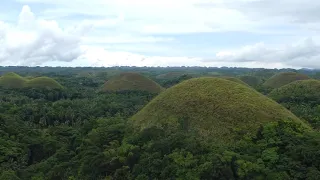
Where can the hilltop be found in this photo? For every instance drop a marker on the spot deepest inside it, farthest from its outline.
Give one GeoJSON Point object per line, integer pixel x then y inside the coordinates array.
{"type": "Point", "coordinates": [43, 82]}
{"type": "Point", "coordinates": [298, 91]}
{"type": "Point", "coordinates": [282, 79]}
{"type": "Point", "coordinates": [131, 81]}
{"type": "Point", "coordinates": [12, 80]}
{"type": "Point", "coordinates": [215, 108]}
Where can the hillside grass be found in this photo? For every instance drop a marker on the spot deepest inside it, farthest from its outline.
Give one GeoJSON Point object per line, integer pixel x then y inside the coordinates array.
{"type": "Point", "coordinates": [216, 108]}
{"type": "Point", "coordinates": [131, 81]}
{"type": "Point", "coordinates": [298, 91]}
{"type": "Point", "coordinates": [282, 79]}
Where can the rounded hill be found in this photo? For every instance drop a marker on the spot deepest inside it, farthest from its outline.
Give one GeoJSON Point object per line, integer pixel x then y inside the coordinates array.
{"type": "Point", "coordinates": [131, 81]}
{"type": "Point", "coordinates": [43, 82]}
{"type": "Point", "coordinates": [12, 80]}
{"type": "Point", "coordinates": [216, 108]}
{"type": "Point", "coordinates": [282, 79]}
{"type": "Point", "coordinates": [298, 91]}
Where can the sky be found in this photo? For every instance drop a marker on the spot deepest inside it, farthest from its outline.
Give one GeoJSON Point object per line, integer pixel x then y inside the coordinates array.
{"type": "Point", "coordinates": [234, 33]}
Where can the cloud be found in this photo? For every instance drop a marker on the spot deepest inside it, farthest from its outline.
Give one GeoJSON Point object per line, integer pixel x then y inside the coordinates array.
{"type": "Point", "coordinates": [33, 41]}
{"type": "Point", "coordinates": [305, 53]}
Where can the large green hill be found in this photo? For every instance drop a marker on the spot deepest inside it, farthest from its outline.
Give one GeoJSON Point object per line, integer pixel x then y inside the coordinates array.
{"type": "Point", "coordinates": [282, 79]}
{"type": "Point", "coordinates": [131, 81]}
{"type": "Point", "coordinates": [216, 108]}
{"type": "Point", "coordinates": [12, 80]}
{"type": "Point", "coordinates": [43, 82]}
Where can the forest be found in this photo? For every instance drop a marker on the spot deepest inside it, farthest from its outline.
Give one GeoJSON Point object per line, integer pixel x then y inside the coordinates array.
{"type": "Point", "coordinates": [182, 123]}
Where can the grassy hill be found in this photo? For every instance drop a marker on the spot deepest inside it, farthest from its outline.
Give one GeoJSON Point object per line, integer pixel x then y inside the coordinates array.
{"type": "Point", "coordinates": [131, 81]}
{"type": "Point", "coordinates": [298, 91]}
{"type": "Point", "coordinates": [216, 108]}
{"type": "Point", "coordinates": [12, 80]}
{"type": "Point", "coordinates": [43, 82]}
{"type": "Point", "coordinates": [282, 79]}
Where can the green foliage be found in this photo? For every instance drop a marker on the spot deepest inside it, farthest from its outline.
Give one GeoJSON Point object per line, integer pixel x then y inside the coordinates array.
{"type": "Point", "coordinates": [284, 78]}
{"type": "Point", "coordinates": [215, 107]}
{"type": "Point", "coordinates": [77, 133]}
{"type": "Point", "coordinates": [131, 81]}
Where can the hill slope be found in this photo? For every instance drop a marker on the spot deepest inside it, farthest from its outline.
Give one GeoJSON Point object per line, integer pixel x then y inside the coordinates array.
{"type": "Point", "coordinates": [282, 79]}
{"type": "Point", "coordinates": [298, 91]}
{"type": "Point", "coordinates": [12, 80]}
{"type": "Point", "coordinates": [214, 107]}
{"type": "Point", "coordinates": [131, 81]}
{"type": "Point", "coordinates": [43, 82]}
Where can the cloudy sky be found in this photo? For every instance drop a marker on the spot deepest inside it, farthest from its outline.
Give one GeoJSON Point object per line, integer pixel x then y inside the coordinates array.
{"type": "Point", "coordinates": [246, 33]}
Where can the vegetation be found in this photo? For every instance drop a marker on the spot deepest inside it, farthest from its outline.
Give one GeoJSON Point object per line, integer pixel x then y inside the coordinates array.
{"type": "Point", "coordinates": [132, 81]}
{"type": "Point", "coordinates": [302, 98]}
{"type": "Point", "coordinates": [284, 78]}
{"type": "Point", "coordinates": [216, 107]}
{"type": "Point", "coordinates": [79, 133]}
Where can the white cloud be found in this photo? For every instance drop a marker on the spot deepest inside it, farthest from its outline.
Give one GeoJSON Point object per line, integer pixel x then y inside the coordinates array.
{"type": "Point", "coordinates": [33, 41]}
{"type": "Point", "coordinates": [305, 53]}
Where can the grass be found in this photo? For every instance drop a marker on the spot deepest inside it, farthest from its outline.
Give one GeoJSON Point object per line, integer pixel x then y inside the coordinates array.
{"type": "Point", "coordinates": [216, 108]}
{"type": "Point", "coordinates": [282, 79]}
{"type": "Point", "coordinates": [12, 80]}
{"type": "Point", "coordinates": [297, 91]}
{"type": "Point", "coordinates": [131, 81]}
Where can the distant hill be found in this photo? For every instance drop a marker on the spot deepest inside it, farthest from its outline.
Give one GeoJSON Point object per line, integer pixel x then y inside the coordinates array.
{"type": "Point", "coordinates": [12, 80]}
{"type": "Point", "coordinates": [43, 82]}
{"type": "Point", "coordinates": [215, 108]}
{"type": "Point", "coordinates": [170, 75]}
{"type": "Point", "coordinates": [252, 81]}
{"type": "Point", "coordinates": [284, 78]}
{"type": "Point", "coordinates": [298, 91]}
{"type": "Point", "coordinates": [131, 81]}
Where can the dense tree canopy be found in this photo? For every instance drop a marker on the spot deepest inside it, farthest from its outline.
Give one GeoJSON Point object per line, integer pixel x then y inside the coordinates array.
{"type": "Point", "coordinates": [78, 132]}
